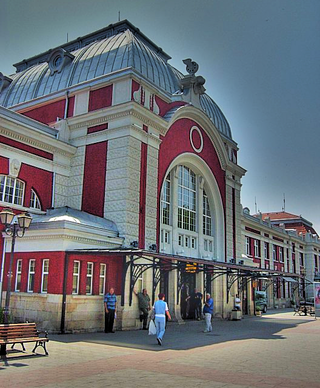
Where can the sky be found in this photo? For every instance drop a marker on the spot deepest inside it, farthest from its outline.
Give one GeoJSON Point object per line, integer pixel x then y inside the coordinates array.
{"type": "Point", "coordinates": [260, 59]}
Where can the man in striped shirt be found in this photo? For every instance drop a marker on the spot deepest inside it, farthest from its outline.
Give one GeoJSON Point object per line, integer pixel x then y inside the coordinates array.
{"type": "Point", "coordinates": [110, 304]}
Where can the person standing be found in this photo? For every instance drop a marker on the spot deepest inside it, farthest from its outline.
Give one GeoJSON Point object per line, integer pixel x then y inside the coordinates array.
{"type": "Point", "coordinates": [197, 309]}
{"type": "Point", "coordinates": [110, 305]}
{"type": "Point", "coordinates": [144, 306]}
{"type": "Point", "coordinates": [237, 303]}
{"type": "Point", "coordinates": [207, 312]}
{"type": "Point", "coordinates": [161, 311]}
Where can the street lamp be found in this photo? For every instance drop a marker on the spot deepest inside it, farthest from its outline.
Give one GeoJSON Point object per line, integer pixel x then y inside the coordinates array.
{"type": "Point", "coordinates": [13, 229]}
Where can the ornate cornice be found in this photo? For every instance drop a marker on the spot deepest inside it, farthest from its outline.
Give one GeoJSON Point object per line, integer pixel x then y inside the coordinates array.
{"type": "Point", "coordinates": [133, 109]}
{"type": "Point", "coordinates": [42, 146]}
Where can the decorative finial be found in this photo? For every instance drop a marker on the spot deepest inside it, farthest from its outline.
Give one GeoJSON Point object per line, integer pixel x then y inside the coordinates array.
{"type": "Point", "coordinates": [191, 66]}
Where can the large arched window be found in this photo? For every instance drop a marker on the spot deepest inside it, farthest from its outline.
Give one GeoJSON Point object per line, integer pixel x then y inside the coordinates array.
{"type": "Point", "coordinates": [11, 190]}
{"type": "Point", "coordinates": [187, 214]}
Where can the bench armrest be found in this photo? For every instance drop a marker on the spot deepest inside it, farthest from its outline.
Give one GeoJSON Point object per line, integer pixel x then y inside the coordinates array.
{"type": "Point", "coordinates": [42, 332]}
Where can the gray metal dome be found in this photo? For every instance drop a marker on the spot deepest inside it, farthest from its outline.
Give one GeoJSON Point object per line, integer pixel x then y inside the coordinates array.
{"type": "Point", "coordinates": [117, 47]}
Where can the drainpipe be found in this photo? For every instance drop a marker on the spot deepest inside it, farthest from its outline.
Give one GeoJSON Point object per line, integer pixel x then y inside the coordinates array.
{"type": "Point", "coordinates": [2, 268]}
{"type": "Point", "coordinates": [64, 294]}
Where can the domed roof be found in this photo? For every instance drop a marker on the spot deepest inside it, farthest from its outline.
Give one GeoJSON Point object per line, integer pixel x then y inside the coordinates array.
{"type": "Point", "coordinates": [116, 48]}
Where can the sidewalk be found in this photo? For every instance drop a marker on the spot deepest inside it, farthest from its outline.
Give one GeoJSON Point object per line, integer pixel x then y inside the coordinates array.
{"type": "Point", "coordinates": [275, 350]}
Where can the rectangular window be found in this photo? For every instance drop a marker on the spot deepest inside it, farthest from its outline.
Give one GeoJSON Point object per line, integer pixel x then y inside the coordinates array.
{"type": "Point", "coordinates": [186, 199]}
{"type": "Point", "coordinates": [205, 245]}
{"type": "Point", "coordinates": [301, 259]}
{"type": "Point", "coordinates": [274, 252]}
{"type": "Point", "coordinates": [266, 251]}
{"type": "Point", "coordinates": [45, 274]}
{"type": "Point", "coordinates": [102, 279]}
{"type": "Point", "coordinates": [193, 243]}
{"type": "Point", "coordinates": [210, 246]}
{"type": "Point", "coordinates": [281, 255]}
{"type": "Point", "coordinates": [206, 215]}
{"type": "Point", "coordinates": [165, 201]}
{"type": "Point", "coordinates": [247, 245]}
{"type": "Point", "coordinates": [31, 275]}
{"type": "Point", "coordinates": [18, 275]}
{"type": "Point", "coordinates": [256, 248]}
{"type": "Point", "coordinates": [180, 241]}
{"type": "Point", "coordinates": [89, 278]}
{"type": "Point", "coordinates": [75, 277]}
{"type": "Point", "coordinates": [186, 242]}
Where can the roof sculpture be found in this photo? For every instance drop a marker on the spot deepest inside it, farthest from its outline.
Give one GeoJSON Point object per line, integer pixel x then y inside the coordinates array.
{"type": "Point", "coordinates": [118, 47]}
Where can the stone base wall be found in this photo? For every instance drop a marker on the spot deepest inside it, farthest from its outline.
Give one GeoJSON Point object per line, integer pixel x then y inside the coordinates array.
{"type": "Point", "coordinates": [43, 309]}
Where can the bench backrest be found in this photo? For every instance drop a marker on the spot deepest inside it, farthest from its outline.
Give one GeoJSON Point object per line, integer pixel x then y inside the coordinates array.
{"type": "Point", "coordinates": [18, 330]}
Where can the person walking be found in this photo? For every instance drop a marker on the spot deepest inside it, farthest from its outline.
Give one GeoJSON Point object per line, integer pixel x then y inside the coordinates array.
{"type": "Point", "coordinates": [144, 306]}
{"type": "Point", "coordinates": [207, 312]}
{"type": "Point", "coordinates": [110, 305]}
{"type": "Point", "coordinates": [161, 311]}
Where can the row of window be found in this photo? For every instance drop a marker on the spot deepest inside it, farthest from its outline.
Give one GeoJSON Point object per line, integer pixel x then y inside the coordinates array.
{"type": "Point", "coordinates": [89, 278]}
{"type": "Point", "coordinates": [12, 192]}
{"type": "Point", "coordinates": [253, 248]}
{"type": "Point", "coordinates": [186, 241]}
{"type": "Point", "coordinates": [31, 275]}
{"type": "Point", "coordinates": [75, 277]}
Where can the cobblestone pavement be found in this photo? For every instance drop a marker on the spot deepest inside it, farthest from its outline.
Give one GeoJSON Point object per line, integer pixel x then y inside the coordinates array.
{"type": "Point", "coordinates": [275, 350]}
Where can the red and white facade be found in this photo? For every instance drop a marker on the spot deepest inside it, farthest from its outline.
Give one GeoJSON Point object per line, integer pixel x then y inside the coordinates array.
{"type": "Point", "coordinates": [108, 155]}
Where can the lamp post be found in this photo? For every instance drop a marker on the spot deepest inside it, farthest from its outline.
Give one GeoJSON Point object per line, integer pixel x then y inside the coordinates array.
{"type": "Point", "coordinates": [13, 229]}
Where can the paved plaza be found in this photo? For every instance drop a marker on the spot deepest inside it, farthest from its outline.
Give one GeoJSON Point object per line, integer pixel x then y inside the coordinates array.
{"type": "Point", "coordinates": [276, 350]}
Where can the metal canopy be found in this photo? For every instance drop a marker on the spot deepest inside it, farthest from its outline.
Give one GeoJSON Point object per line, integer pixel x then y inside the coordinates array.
{"type": "Point", "coordinates": [161, 264]}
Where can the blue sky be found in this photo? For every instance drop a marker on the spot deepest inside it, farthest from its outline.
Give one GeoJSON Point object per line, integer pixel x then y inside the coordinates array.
{"type": "Point", "coordinates": [260, 59]}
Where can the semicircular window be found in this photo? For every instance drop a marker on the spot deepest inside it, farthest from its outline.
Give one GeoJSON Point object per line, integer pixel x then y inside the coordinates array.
{"type": "Point", "coordinates": [34, 201]}
{"type": "Point", "coordinates": [11, 190]}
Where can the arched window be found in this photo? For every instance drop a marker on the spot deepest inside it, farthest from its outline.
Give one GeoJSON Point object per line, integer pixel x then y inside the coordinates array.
{"type": "Point", "coordinates": [187, 214]}
{"type": "Point", "coordinates": [11, 190]}
{"type": "Point", "coordinates": [34, 200]}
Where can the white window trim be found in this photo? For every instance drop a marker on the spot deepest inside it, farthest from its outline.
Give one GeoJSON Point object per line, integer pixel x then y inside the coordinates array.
{"type": "Point", "coordinates": [43, 273]}
{"type": "Point", "coordinates": [19, 261]}
{"type": "Point", "coordinates": [102, 265]}
{"type": "Point", "coordinates": [31, 273]}
{"type": "Point", "coordinates": [36, 200]}
{"type": "Point", "coordinates": [6, 177]}
{"type": "Point", "coordinates": [205, 179]}
{"type": "Point", "coordinates": [89, 276]}
{"type": "Point", "coordinates": [77, 274]}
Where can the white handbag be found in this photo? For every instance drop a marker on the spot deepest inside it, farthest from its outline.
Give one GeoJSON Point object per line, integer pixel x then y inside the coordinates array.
{"type": "Point", "coordinates": [152, 328]}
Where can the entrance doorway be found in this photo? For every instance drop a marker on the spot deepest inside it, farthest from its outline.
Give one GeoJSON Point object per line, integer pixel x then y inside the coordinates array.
{"type": "Point", "coordinates": [188, 284]}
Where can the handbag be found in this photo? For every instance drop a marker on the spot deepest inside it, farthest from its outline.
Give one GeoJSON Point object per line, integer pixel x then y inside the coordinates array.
{"type": "Point", "coordinates": [152, 328]}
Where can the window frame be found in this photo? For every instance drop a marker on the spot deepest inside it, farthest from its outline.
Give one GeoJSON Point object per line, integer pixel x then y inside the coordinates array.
{"type": "Point", "coordinates": [187, 192]}
{"type": "Point", "coordinates": [43, 274]}
{"type": "Point", "coordinates": [16, 192]}
{"type": "Point", "coordinates": [102, 278]}
{"type": "Point", "coordinates": [77, 275]}
{"type": "Point", "coordinates": [89, 276]}
{"type": "Point", "coordinates": [31, 273]}
{"type": "Point", "coordinates": [18, 273]}
{"type": "Point", "coordinates": [34, 201]}
{"type": "Point", "coordinates": [166, 201]}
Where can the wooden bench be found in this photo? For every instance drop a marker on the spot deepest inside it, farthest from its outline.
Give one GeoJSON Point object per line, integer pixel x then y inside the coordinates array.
{"type": "Point", "coordinates": [20, 333]}
{"type": "Point", "coordinates": [304, 310]}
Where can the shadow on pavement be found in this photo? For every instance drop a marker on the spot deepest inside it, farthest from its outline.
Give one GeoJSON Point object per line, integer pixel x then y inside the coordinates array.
{"type": "Point", "coordinates": [190, 335]}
